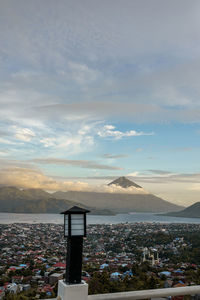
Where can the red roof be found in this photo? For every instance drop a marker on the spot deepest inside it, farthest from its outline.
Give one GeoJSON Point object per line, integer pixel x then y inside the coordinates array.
{"type": "Point", "coordinates": [60, 265]}
{"type": "Point", "coordinates": [86, 279]}
{"type": "Point", "coordinates": [6, 283]}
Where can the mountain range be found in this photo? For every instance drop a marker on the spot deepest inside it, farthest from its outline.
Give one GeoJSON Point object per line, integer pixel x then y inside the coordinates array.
{"type": "Point", "coordinates": [192, 211]}
{"type": "Point", "coordinates": [16, 200]}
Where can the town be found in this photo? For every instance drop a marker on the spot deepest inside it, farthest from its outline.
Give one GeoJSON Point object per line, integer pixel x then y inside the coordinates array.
{"type": "Point", "coordinates": [117, 257]}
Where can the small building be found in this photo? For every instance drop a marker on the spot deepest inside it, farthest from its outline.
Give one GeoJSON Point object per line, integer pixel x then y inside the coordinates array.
{"type": "Point", "coordinates": [26, 287]}
{"type": "Point", "coordinates": [103, 266]}
{"type": "Point", "coordinates": [165, 273]}
{"type": "Point", "coordinates": [115, 276]}
{"type": "Point", "coordinates": [53, 278]}
{"type": "Point", "coordinates": [12, 288]}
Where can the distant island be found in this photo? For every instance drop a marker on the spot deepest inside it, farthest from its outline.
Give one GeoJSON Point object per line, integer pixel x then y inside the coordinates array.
{"type": "Point", "coordinates": [14, 200]}
{"type": "Point", "coordinates": [192, 211]}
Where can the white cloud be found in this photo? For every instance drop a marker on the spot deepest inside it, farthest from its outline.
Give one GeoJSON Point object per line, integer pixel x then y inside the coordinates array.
{"type": "Point", "coordinates": [29, 178]}
{"type": "Point", "coordinates": [73, 142]}
{"type": "Point", "coordinates": [118, 189]}
{"type": "Point", "coordinates": [133, 174]}
{"type": "Point", "coordinates": [82, 74]}
{"type": "Point", "coordinates": [48, 142]}
{"type": "Point", "coordinates": [24, 134]}
{"type": "Point", "coordinates": [108, 131]}
{"type": "Point", "coordinates": [84, 130]}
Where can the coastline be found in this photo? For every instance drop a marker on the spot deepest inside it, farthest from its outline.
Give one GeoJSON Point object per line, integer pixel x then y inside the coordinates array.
{"type": "Point", "coordinates": [10, 218]}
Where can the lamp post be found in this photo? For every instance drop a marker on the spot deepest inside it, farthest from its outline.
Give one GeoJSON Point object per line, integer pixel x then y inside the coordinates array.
{"type": "Point", "coordinates": [74, 230]}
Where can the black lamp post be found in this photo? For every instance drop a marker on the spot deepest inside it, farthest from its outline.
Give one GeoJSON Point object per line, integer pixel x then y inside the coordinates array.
{"type": "Point", "coordinates": [74, 230]}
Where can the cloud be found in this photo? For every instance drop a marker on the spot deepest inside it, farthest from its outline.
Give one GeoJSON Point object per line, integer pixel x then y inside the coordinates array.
{"type": "Point", "coordinates": [131, 110]}
{"type": "Point", "coordinates": [177, 191]}
{"type": "Point", "coordinates": [162, 176]}
{"type": "Point", "coordinates": [29, 178]}
{"type": "Point", "coordinates": [48, 142]}
{"type": "Point", "coordinates": [144, 70]}
{"type": "Point", "coordinates": [109, 131]}
{"type": "Point", "coordinates": [162, 173]}
{"type": "Point", "coordinates": [118, 189]}
{"type": "Point", "coordinates": [82, 74]}
{"type": "Point", "coordinates": [23, 134]}
{"type": "Point", "coordinates": [9, 163]}
{"type": "Point", "coordinates": [72, 142]}
{"type": "Point", "coordinates": [4, 152]}
{"type": "Point", "coordinates": [133, 174]}
{"type": "Point", "coordinates": [6, 141]}
{"type": "Point", "coordinates": [195, 186]}
{"type": "Point", "coordinates": [3, 133]}
{"type": "Point", "coordinates": [77, 163]}
{"type": "Point", "coordinates": [78, 32]}
{"type": "Point", "coordinates": [114, 156]}
{"type": "Point", "coordinates": [59, 137]}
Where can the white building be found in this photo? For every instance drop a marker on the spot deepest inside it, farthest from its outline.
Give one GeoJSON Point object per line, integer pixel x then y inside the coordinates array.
{"type": "Point", "coordinates": [151, 256]}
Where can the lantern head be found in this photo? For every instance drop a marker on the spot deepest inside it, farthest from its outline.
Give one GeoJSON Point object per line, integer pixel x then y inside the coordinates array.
{"type": "Point", "coordinates": [75, 222]}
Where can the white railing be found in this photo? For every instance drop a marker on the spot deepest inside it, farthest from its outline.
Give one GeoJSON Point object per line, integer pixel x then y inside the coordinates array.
{"type": "Point", "coordinates": [147, 294]}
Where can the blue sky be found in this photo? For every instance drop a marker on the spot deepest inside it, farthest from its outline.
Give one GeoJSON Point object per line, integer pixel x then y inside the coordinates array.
{"type": "Point", "coordinates": [92, 90]}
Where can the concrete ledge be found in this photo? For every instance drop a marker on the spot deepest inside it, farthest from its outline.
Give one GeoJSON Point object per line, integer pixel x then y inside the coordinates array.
{"type": "Point", "coordinates": [72, 291]}
{"type": "Point", "coordinates": [146, 294]}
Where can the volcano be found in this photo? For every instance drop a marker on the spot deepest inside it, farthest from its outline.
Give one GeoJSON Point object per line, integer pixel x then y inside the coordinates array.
{"type": "Point", "coordinates": [125, 183]}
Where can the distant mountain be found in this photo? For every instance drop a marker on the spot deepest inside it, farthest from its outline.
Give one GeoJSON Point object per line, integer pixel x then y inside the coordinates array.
{"type": "Point", "coordinates": [39, 201]}
{"type": "Point", "coordinates": [192, 211]}
{"type": "Point", "coordinates": [120, 202]}
{"type": "Point", "coordinates": [124, 183]}
{"type": "Point", "coordinates": [14, 200]}
{"type": "Point", "coordinates": [10, 193]}
{"type": "Point", "coordinates": [30, 201]}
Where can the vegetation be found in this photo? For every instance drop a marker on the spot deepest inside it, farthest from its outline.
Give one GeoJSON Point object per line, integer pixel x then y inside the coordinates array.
{"type": "Point", "coordinates": [101, 282]}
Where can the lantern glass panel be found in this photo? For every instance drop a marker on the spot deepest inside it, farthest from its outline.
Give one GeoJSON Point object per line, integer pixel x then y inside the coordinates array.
{"type": "Point", "coordinates": [78, 232]}
{"type": "Point", "coordinates": [66, 225]}
{"type": "Point", "coordinates": [77, 224]}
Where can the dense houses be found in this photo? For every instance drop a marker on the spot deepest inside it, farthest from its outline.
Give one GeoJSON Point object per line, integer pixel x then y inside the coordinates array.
{"type": "Point", "coordinates": [32, 256]}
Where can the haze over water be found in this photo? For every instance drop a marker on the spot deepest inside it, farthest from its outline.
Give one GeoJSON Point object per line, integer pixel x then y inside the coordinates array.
{"type": "Point", "coordinates": [8, 218]}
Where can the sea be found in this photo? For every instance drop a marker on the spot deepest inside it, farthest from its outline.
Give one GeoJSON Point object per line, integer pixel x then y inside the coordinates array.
{"type": "Point", "coordinates": [10, 218]}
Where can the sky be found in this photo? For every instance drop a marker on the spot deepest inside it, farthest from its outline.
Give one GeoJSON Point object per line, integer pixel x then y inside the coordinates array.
{"type": "Point", "coordinates": [94, 90]}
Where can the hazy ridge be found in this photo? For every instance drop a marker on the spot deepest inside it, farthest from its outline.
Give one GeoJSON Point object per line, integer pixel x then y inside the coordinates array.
{"type": "Point", "coordinates": [192, 211]}
{"type": "Point", "coordinates": [14, 200]}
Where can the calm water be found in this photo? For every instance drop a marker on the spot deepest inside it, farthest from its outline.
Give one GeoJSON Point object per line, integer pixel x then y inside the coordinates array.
{"type": "Point", "coordinates": [7, 218]}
